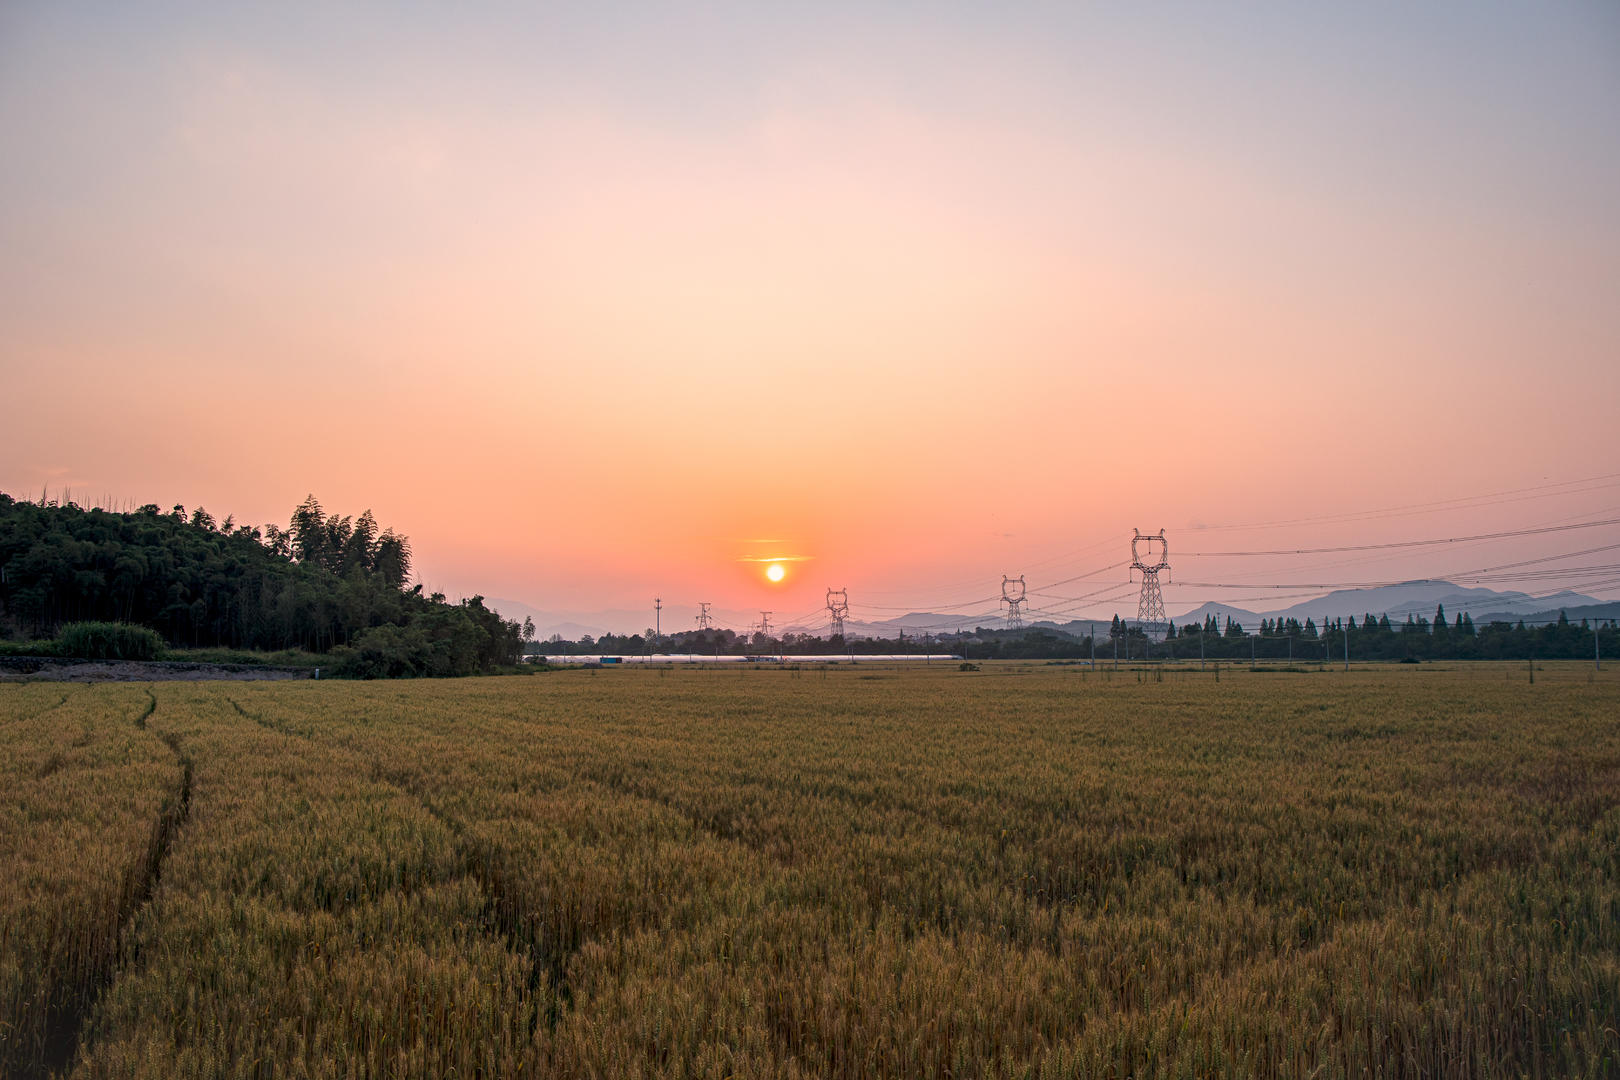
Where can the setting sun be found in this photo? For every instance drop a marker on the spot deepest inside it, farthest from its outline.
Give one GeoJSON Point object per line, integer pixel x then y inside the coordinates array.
{"type": "Point", "coordinates": [775, 572]}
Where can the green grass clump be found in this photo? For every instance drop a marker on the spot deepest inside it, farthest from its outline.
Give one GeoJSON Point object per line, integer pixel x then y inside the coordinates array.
{"type": "Point", "coordinates": [108, 641]}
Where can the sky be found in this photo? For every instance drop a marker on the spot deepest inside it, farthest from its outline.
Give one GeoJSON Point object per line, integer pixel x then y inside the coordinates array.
{"type": "Point", "coordinates": [604, 302]}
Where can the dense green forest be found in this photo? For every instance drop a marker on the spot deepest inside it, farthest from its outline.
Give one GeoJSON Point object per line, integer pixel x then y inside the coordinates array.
{"type": "Point", "coordinates": [327, 583]}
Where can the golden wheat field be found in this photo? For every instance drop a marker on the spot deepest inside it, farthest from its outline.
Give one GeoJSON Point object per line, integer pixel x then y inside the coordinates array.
{"type": "Point", "coordinates": [864, 871]}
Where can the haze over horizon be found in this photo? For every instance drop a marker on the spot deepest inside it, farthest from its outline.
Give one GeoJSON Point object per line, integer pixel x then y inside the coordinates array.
{"type": "Point", "coordinates": [605, 304]}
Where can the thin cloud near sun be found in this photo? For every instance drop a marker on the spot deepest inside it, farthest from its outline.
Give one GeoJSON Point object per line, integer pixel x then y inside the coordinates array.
{"type": "Point", "coordinates": [775, 565]}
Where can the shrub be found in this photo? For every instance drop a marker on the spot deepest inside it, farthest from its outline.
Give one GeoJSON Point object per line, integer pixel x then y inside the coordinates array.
{"type": "Point", "coordinates": [383, 652]}
{"type": "Point", "coordinates": [108, 641]}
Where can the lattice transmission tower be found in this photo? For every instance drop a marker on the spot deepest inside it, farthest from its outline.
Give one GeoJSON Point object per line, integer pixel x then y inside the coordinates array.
{"type": "Point", "coordinates": [703, 619]}
{"type": "Point", "coordinates": [765, 623]}
{"type": "Point", "coordinates": [837, 610]}
{"type": "Point", "coordinates": [1149, 555]}
{"type": "Point", "coordinates": [1012, 594]}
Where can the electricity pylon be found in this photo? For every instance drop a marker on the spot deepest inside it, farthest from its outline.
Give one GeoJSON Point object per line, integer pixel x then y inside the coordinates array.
{"type": "Point", "coordinates": [1149, 555]}
{"type": "Point", "coordinates": [837, 609]}
{"type": "Point", "coordinates": [703, 620]}
{"type": "Point", "coordinates": [1012, 594]}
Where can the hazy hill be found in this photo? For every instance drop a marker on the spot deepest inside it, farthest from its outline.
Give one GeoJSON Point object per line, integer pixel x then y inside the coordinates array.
{"type": "Point", "coordinates": [1420, 598]}
{"type": "Point", "coordinates": [1573, 613]}
{"type": "Point", "coordinates": [926, 622]}
{"type": "Point", "coordinates": [1222, 612]}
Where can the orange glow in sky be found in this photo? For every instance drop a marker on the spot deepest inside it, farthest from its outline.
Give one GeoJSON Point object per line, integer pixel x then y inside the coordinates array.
{"type": "Point", "coordinates": [598, 307]}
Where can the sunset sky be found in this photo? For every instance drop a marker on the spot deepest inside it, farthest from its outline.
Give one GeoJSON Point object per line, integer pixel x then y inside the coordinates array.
{"type": "Point", "coordinates": [601, 302]}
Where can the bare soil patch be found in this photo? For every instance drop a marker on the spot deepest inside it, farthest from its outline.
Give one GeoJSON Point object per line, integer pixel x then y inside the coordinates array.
{"type": "Point", "coordinates": [61, 669]}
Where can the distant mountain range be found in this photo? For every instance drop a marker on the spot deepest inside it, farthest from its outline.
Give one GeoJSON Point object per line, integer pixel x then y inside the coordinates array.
{"type": "Point", "coordinates": [1415, 598]}
{"type": "Point", "coordinates": [1605, 611]}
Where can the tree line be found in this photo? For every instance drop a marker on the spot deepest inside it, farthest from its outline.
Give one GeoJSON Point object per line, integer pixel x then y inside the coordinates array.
{"type": "Point", "coordinates": [327, 583]}
{"type": "Point", "coordinates": [720, 642]}
{"type": "Point", "coordinates": [1374, 637]}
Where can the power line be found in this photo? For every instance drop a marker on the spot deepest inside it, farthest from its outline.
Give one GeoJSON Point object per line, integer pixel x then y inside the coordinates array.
{"type": "Point", "coordinates": [1070, 610]}
{"type": "Point", "coordinates": [1599, 483]}
{"type": "Point", "coordinates": [1410, 543]}
{"type": "Point", "coordinates": [1454, 577]}
{"type": "Point", "coordinates": [1449, 579]}
{"type": "Point", "coordinates": [1110, 587]}
{"type": "Point", "coordinates": [1111, 539]}
{"type": "Point", "coordinates": [1379, 556]}
{"type": "Point", "coordinates": [936, 608]}
{"type": "Point", "coordinates": [1086, 575]}
{"type": "Point", "coordinates": [1543, 559]}
{"type": "Point", "coordinates": [957, 623]}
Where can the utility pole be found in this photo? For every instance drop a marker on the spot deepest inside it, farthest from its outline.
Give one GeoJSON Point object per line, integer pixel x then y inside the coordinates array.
{"type": "Point", "coordinates": [1091, 635]}
{"type": "Point", "coordinates": [658, 623]}
{"type": "Point", "coordinates": [1201, 633]}
{"type": "Point", "coordinates": [1597, 660]}
{"type": "Point", "coordinates": [1347, 647]}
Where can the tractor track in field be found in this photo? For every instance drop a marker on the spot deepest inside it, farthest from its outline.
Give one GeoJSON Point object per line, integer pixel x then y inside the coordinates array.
{"type": "Point", "coordinates": [268, 724]}
{"type": "Point", "coordinates": [37, 713]}
{"type": "Point", "coordinates": [64, 1027]}
{"type": "Point", "coordinates": [505, 913]}
{"type": "Point", "coordinates": [151, 707]}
